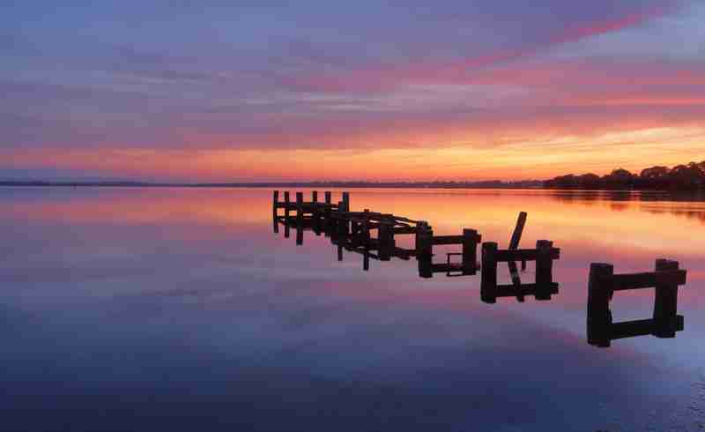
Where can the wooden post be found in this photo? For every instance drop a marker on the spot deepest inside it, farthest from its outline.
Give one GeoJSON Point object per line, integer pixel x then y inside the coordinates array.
{"type": "Point", "coordinates": [342, 225]}
{"type": "Point", "coordinates": [424, 250]}
{"type": "Point", "coordinates": [544, 270]}
{"type": "Point", "coordinates": [365, 234]}
{"type": "Point", "coordinates": [287, 203]}
{"type": "Point", "coordinates": [516, 235]}
{"type": "Point", "coordinates": [346, 201]}
{"type": "Point", "coordinates": [299, 208]}
{"type": "Point", "coordinates": [599, 316]}
{"type": "Point", "coordinates": [328, 197]}
{"type": "Point", "coordinates": [299, 234]}
{"type": "Point", "coordinates": [666, 303]}
{"type": "Point", "coordinates": [470, 238]}
{"type": "Point", "coordinates": [340, 252]}
{"type": "Point", "coordinates": [385, 238]}
{"type": "Point", "coordinates": [420, 226]}
{"type": "Point", "coordinates": [488, 285]}
{"type": "Point", "coordinates": [275, 211]}
{"type": "Point", "coordinates": [314, 196]}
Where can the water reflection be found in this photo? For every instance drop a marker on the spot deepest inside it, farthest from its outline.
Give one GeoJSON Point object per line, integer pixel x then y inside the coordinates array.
{"type": "Point", "coordinates": [185, 296]}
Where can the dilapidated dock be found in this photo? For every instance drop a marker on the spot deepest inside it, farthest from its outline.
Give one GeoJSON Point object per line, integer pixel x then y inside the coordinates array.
{"type": "Point", "coordinates": [374, 235]}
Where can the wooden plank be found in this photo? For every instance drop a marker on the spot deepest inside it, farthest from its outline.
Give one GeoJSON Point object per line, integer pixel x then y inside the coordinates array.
{"type": "Point", "coordinates": [447, 240]}
{"type": "Point", "coordinates": [505, 255]}
{"type": "Point", "coordinates": [518, 231]}
{"type": "Point", "coordinates": [524, 289]}
{"type": "Point", "coordinates": [635, 328]}
{"type": "Point", "coordinates": [620, 282]}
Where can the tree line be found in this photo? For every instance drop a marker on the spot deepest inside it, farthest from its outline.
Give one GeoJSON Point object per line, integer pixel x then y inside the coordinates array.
{"type": "Point", "coordinates": [680, 177]}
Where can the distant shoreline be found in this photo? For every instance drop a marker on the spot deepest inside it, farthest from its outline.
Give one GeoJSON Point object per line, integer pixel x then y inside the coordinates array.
{"type": "Point", "coordinates": [336, 185]}
{"type": "Point", "coordinates": [528, 185]}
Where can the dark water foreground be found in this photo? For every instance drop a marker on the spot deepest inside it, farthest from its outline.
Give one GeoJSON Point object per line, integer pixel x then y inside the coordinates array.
{"type": "Point", "coordinates": [170, 309]}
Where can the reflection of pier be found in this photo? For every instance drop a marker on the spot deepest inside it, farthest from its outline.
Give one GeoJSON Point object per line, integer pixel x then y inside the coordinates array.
{"type": "Point", "coordinates": [603, 283]}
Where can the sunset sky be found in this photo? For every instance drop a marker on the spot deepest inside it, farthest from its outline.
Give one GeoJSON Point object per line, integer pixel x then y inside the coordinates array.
{"type": "Point", "coordinates": [220, 90]}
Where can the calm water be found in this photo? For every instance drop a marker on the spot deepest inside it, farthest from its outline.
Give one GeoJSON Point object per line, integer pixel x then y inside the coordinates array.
{"type": "Point", "coordinates": [179, 309]}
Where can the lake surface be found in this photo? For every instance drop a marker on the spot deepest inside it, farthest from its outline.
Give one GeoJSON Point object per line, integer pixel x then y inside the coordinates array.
{"type": "Point", "coordinates": [180, 309]}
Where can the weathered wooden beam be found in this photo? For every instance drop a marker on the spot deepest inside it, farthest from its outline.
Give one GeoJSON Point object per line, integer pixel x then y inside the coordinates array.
{"type": "Point", "coordinates": [599, 316]}
{"type": "Point", "coordinates": [470, 241]}
{"type": "Point", "coordinates": [275, 211]}
{"type": "Point", "coordinates": [488, 284]}
{"type": "Point", "coordinates": [518, 231]}
{"type": "Point", "coordinates": [524, 289]}
{"type": "Point", "coordinates": [666, 299]}
{"type": "Point", "coordinates": [346, 201]}
{"type": "Point", "coordinates": [424, 250]}
{"type": "Point", "coordinates": [447, 240]}
{"type": "Point", "coordinates": [544, 268]}
{"type": "Point", "coordinates": [620, 282]}
{"type": "Point", "coordinates": [505, 255]}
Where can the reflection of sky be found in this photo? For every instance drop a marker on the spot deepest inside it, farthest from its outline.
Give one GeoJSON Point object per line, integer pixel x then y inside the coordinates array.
{"type": "Point", "coordinates": [138, 300]}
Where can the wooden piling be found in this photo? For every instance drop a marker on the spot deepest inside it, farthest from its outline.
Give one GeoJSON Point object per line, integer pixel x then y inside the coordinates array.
{"type": "Point", "coordinates": [424, 250]}
{"type": "Point", "coordinates": [275, 211]}
{"type": "Point", "coordinates": [666, 302]}
{"type": "Point", "coordinates": [516, 235]}
{"type": "Point", "coordinates": [299, 208]}
{"type": "Point", "coordinates": [299, 234]}
{"type": "Point", "coordinates": [385, 237]}
{"type": "Point", "coordinates": [488, 284]}
{"type": "Point", "coordinates": [314, 196]}
{"type": "Point", "coordinates": [328, 197]}
{"type": "Point", "coordinates": [599, 317]}
{"type": "Point", "coordinates": [469, 258]}
{"type": "Point", "coordinates": [346, 201]}
{"type": "Point", "coordinates": [287, 206]}
{"type": "Point", "coordinates": [544, 269]}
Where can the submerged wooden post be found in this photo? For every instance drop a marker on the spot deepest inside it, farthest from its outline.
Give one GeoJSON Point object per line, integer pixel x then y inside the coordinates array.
{"type": "Point", "coordinates": [666, 303]}
{"type": "Point", "coordinates": [420, 226]}
{"type": "Point", "coordinates": [544, 270]}
{"type": "Point", "coordinates": [424, 250]}
{"type": "Point", "coordinates": [488, 285]}
{"type": "Point", "coordinates": [299, 234]}
{"type": "Point", "coordinates": [470, 240]}
{"type": "Point", "coordinates": [342, 225]}
{"type": "Point", "coordinates": [314, 196]}
{"type": "Point", "coordinates": [275, 211]}
{"type": "Point", "coordinates": [299, 208]}
{"type": "Point", "coordinates": [346, 201]}
{"type": "Point", "coordinates": [287, 205]}
{"type": "Point", "coordinates": [599, 317]}
{"type": "Point", "coordinates": [328, 197]}
{"type": "Point", "coordinates": [385, 238]}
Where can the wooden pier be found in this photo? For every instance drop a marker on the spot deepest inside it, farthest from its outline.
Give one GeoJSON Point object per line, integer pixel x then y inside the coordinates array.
{"type": "Point", "coordinates": [603, 283]}
{"type": "Point", "coordinates": [374, 236]}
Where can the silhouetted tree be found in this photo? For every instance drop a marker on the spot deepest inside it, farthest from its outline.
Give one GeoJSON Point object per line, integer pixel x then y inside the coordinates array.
{"type": "Point", "coordinates": [688, 177]}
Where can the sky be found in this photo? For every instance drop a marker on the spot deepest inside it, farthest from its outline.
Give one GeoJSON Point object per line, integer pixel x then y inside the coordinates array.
{"type": "Point", "coordinates": [222, 90]}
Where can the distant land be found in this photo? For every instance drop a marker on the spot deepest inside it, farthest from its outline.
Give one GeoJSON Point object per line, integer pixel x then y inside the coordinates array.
{"type": "Point", "coordinates": [680, 178]}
